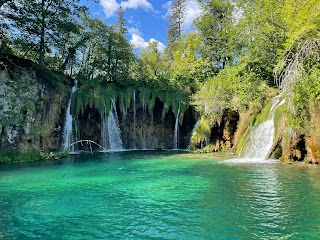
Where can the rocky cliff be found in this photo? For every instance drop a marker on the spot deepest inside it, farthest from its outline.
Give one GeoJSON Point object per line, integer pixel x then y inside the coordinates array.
{"type": "Point", "coordinates": [31, 111]}
{"type": "Point", "coordinates": [139, 128]}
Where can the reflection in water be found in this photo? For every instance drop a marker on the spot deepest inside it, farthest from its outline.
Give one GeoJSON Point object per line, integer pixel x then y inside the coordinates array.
{"type": "Point", "coordinates": [265, 203]}
{"type": "Point", "coordinates": [158, 195]}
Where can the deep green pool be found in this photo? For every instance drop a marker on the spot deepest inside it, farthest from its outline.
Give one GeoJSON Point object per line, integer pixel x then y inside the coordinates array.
{"type": "Point", "coordinates": [158, 195]}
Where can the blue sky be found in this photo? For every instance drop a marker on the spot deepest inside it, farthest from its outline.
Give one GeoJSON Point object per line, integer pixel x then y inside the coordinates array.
{"type": "Point", "coordinates": [146, 19]}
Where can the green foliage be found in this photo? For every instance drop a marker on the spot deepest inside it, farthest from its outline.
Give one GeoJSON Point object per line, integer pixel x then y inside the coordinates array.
{"type": "Point", "coordinates": [52, 78]}
{"type": "Point", "coordinates": [301, 21]}
{"type": "Point", "coordinates": [264, 114]}
{"type": "Point", "coordinates": [279, 115]}
{"type": "Point", "coordinates": [188, 67]}
{"type": "Point", "coordinates": [14, 156]}
{"type": "Point", "coordinates": [201, 133]}
{"type": "Point", "coordinates": [41, 128]}
{"type": "Point", "coordinates": [235, 87]}
{"type": "Point", "coordinates": [153, 61]}
{"type": "Point", "coordinates": [38, 26]}
{"type": "Point", "coordinates": [101, 97]}
{"type": "Point", "coordinates": [53, 155]}
{"type": "Point", "coordinates": [176, 19]}
{"type": "Point", "coordinates": [216, 26]}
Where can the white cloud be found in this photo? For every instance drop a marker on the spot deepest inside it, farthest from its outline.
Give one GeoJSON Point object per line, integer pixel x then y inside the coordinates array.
{"type": "Point", "coordinates": [133, 30]}
{"type": "Point", "coordinates": [139, 42]}
{"type": "Point", "coordinates": [166, 6]}
{"type": "Point", "coordinates": [144, 4]}
{"type": "Point", "coordinates": [110, 7]}
{"type": "Point", "coordinates": [161, 46]}
{"type": "Point", "coordinates": [193, 10]}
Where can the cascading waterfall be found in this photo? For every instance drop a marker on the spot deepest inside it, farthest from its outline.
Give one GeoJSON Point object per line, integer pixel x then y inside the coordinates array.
{"type": "Point", "coordinates": [67, 130]}
{"type": "Point", "coordinates": [134, 142]}
{"type": "Point", "coordinates": [193, 130]}
{"type": "Point", "coordinates": [114, 129]}
{"type": "Point", "coordinates": [110, 131]}
{"type": "Point", "coordinates": [195, 126]}
{"type": "Point", "coordinates": [176, 130]}
{"type": "Point", "coordinates": [261, 137]}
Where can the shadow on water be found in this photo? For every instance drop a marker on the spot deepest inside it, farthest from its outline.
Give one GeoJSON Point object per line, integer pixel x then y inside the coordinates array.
{"type": "Point", "coordinates": [83, 156]}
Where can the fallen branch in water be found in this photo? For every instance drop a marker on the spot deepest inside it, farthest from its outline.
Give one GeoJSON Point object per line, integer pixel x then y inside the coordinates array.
{"type": "Point", "coordinates": [89, 143]}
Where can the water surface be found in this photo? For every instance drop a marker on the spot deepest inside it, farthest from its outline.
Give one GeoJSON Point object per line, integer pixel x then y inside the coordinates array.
{"type": "Point", "coordinates": [158, 195]}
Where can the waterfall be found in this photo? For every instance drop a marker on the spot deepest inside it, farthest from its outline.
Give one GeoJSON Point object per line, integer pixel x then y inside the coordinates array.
{"type": "Point", "coordinates": [193, 130]}
{"type": "Point", "coordinates": [110, 130]}
{"type": "Point", "coordinates": [67, 130]}
{"type": "Point", "coordinates": [261, 136]}
{"type": "Point", "coordinates": [134, 142]}
{"type": "Point", "coordinates": [176, 130]}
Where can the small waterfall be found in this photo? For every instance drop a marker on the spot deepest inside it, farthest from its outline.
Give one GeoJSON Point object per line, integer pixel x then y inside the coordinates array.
{"type": "Point", "coordinates": [67, 130]}
{"type": "Point", "coordinates": [110, 130]}
{"type": "Point", "coordinates": [114, 129]}
{"type": "Point", "coordinates": [193, 130]}
{"type": "Point", "coordinates": [261, 137]}
{"type": "Point", "coordinates": [176, 130]}
{"type": "Point", "coordinates": [134, 143]}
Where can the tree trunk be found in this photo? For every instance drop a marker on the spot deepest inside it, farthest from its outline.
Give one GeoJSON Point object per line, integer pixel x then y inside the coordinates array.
{"type": "Point", "coordinates": [42, 33]}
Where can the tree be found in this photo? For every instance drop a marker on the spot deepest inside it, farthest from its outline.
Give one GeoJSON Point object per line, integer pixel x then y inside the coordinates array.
{"type": "Point", "coordinates": [152, 59]}
{"type": "Point", "coordinates": [176, 18]}
{"type": "Point", "coordinates": [106, 55]}
{"type": "Point", "coordinates": [189, 67]}
{"type": "Point", "coordinates": [121, 21]}
{"type": "Point", "coordinates": [40, 25]}
{"type": "Point", "coordinates": [215, 24]}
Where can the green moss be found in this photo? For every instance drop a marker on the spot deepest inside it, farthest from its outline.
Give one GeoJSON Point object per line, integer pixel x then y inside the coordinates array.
{"type": "Point", "coordinates": [264, 114]}
{"type": "Point", "coordinates": [253, 120]}
{"type": "Point", "coordinates": [101, 96]}
{"type": "Point", "coordinates": [278, 115]}
{"type": "Point", "coordinates": [55, 79]}
{"type": "Point", "coordinates": [243, 143]}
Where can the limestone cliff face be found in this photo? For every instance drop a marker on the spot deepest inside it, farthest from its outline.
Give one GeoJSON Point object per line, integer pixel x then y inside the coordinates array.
{"type": "Point", "coordinates": [139, 129]}
{"type": "Point", "coordinates": [145, 131]}
{"type": "Point", "coordinates": [222, 134]}
{"type": "Point", "coordinates": [31, 113]}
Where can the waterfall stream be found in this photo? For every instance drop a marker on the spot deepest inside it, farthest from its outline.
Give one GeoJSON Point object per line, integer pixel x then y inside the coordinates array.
{"type": "Point", "coordinates": [176, 130]}
{"type": "Point", "coordinates": [261, 136]}
{"type": "Point", "coordinates": [134, 137]}
{"type": "Point", "coordinates": [68, 137]}
{"type": "Point", "coordinates": [110, 130]}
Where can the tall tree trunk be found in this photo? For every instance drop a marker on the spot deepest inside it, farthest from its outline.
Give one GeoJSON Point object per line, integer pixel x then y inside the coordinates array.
{"type": "Point", "coordinates": [42, 34]}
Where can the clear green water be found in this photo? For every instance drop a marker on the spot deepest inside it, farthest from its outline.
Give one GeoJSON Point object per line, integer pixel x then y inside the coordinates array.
{"type": "Point", "coordinates": [158, 195]}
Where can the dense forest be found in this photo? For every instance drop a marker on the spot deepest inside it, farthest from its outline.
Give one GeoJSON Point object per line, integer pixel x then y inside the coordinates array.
{"type": "Point", "coordinates": [241, 54]}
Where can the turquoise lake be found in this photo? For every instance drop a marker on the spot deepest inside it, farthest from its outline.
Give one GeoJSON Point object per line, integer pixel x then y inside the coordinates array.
{"type": "Point", "coordinates": [158, 195]}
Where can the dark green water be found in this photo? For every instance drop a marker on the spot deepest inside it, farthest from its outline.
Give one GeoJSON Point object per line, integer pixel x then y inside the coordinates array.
{"type": "Point", "coordinates": [158, 195]}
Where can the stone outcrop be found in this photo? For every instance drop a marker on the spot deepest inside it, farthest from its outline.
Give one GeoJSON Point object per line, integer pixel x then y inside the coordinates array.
{"type": "Point", "coordinates": [222, 135]}
{"type": "Point", "coordinates": [31, 112]}
{"type": "Point", "coordinates": [313, 151]}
